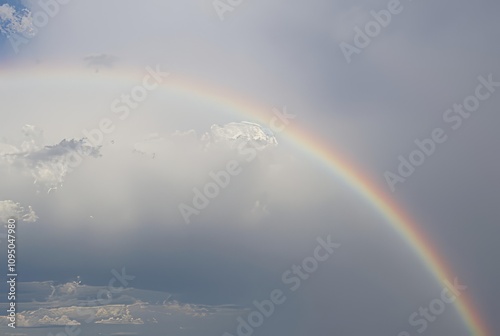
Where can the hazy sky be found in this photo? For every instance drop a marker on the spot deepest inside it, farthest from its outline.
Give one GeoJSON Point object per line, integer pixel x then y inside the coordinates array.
{"type": "Point", "coordinates": [372, 96]}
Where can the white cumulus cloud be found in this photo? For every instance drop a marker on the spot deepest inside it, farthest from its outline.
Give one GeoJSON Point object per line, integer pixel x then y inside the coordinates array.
{"type": "Point", "coordinates": [16, 22]}
{"type": "Point", "coordinates": [49, 165]}
{"type": "Point", "coordinates": [9, 209]}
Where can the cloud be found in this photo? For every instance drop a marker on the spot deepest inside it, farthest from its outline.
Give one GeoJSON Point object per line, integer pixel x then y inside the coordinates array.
{"type": "Point", "coordinates": [268, 53]}
{"type": "Point", "coordinates": [48, 165]}
{"type": "Point", "coordinates": [151, 144]}
{"type": "Point", "coordinates": [116, 315]}
{"type": "Point", "coordinates": [16, 22]}
{"type": "Point", "coordinates": [40, 318]}
{"type": "Point", "coordinates": [230, 136]}
{"type": "Point", "coordinates": [69, 304]}
{"type": "Point", "coordinates": [97, 61]}
{"type": "Point", "coordinates": [46, 320]}
{"type": "Point", "coordinates": [9, 209]}
{"type": "Point", "coordinates": [236, 132]}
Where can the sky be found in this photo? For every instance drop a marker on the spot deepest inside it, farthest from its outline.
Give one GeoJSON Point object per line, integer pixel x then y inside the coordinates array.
{"type": "Point", "coordinates": [149, 154]}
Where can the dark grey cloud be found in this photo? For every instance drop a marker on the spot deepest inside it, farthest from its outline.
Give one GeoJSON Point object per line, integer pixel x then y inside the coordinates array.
{"type": "Point", "coordinates": [98, 61]}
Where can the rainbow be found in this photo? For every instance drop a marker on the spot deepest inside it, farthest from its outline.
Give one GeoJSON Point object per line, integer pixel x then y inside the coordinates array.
{"type": "Point", "coordinates": [311, 144]}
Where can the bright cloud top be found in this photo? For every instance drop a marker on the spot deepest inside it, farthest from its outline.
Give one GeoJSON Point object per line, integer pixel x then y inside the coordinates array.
{"type": "Point", "coordinates": [16, 22]}
{"type": "Point", "coordinates": [9, 209]}
{"type": "Point", "coordinates": [48, 165]}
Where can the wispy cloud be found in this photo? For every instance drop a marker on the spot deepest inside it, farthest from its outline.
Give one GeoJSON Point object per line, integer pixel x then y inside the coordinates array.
{"type": "Point", "coordinates": [98, 61]}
